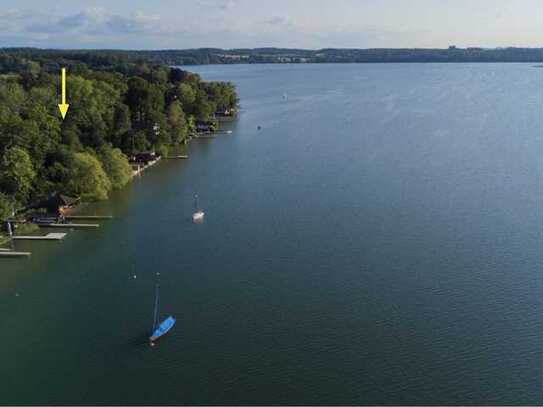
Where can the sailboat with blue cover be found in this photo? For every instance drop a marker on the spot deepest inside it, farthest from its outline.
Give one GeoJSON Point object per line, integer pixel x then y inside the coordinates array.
{"type": "Point", "coordinates": [160, 329]}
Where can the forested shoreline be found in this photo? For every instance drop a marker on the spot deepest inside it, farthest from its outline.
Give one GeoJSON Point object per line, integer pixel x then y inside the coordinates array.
{"type": "Point", "coordinates": [118, 108]}
{"type": "Point", "coordinates": [205, 56]}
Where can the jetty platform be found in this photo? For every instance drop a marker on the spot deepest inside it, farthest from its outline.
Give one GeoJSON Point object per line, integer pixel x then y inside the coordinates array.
{"type": "Point", "coordinates": [10, 253]}
{"type": "Point", "coordinates": [177, 157]}
{"type": "Point", "coordinates": [89, 217]}
{"type": "Point", "coordinates": [142, 168]}
{"type": "Point", "coordinates": [69, 225]}
{"type": "Point", "coordinates": [49, 236]}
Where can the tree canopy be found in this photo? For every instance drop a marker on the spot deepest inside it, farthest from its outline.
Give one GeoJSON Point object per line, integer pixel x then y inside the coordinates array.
{"type": "Point", "coordinates": [118, 107]}
{"type": "Point", "coordinates": [116, 166]}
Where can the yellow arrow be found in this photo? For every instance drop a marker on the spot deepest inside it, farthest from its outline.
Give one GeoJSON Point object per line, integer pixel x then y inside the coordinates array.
{"type": "Point", "coordinates": [63, 107]}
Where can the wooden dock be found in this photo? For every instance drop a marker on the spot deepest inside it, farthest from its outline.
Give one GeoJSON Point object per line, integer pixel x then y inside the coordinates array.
{"type": "Point", "coordinates": [14, 254]}
{"type": "Point", "coordinates": [142, 168]}
{"type": "Point", "coordinates": [177, 157]}
{"type": "Point", "coordinates": [69, 225]}
{"type": "Point", "coordinates": [89, 217]}
{"type": "Point", "coordinates": [50, 236]}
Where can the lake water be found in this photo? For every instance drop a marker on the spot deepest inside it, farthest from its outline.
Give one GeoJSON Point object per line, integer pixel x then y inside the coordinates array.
{"type": "Point", "coordinates": [378, 241]}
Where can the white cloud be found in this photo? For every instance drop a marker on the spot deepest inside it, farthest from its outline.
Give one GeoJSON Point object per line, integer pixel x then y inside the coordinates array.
{"type": "Point", "coordinates": [218, 4]}
{"type": "Point", "coordinates": [220, 26]}
{"type": "Point", "coordinates": [95, 21]}
{"type": "Point", "coordinates": [92, 25]}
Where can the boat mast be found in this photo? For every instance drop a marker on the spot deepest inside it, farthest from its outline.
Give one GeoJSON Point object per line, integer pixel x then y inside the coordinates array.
{"type": "Point", "coordinates": [196, 203]}
{"type": "Point", "coordinates": [156, 307]}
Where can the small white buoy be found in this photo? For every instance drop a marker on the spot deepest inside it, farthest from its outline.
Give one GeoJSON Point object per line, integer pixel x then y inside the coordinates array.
{"type": "Point", "coordinates": [135, 276]}
{"type": "Point", "coordinates": [16, 294]}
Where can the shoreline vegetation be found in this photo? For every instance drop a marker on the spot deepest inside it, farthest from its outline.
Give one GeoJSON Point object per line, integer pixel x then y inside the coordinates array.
{"type": "Point", "coordinates": [206, 56]}
{"type": "Point", "coordinates": [124, 116]}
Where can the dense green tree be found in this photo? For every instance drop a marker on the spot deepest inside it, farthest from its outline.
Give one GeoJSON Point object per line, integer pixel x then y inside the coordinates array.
{"type": "Point", "coordinates": [177, 75]}
{"type": "Point", "coordinates": [42, 130]}
{"type": "Point", "coordinates": [12, 96]}
{"type": "Point", "coordinates": [45, 97]}
{"type": "Point", "coordinates": [162, 149]}
{"type": "Point", "coordinates": [91, 109]}
{"type": "Point", "coordinates": [116, 166]}
{"type": "Point", "coordinates": [16, 173]}
{"type": "Point", "coordinates": [6, 206]}
{"type": "Point", "coordinates": [222, 94]}
{"type": "Point", "coordinates": [203, 108]}
{"type": "Point", "coordinates": [177, 122]}
{"type": "Point", "coordinates": [137, 142]}
{"type": "Point", "coordinates": [122, 125]}
{"type": "Point", "coordinates": [160, 74]}
{"type": "Point", "coordinates": [86, 177]}
{"type": "Point", "coordinates": [10, 124]}
{"type": "Point", "coordinates": [138, 100]}
{"type": "Point", "coordinates": [55, 173]}
{"type": "Point", "coordinates": [191, 124]}
{"type": "Point", "coordinates": [186, 95]}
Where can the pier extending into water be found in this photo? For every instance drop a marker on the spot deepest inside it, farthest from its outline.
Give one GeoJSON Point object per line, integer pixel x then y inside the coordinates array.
{"type": "Point", "coordinates": [70, 225]}
{"type": "Point", "coordinates": [49, 236]}
{"type": "Point", "coordinates": [177, 157]}
{"type": "Point", "coordinates": [142, 167]}
{"type": "Point", "coordinates": [11, 253]}
{"type": "Point", "coordinates": [88, 217]}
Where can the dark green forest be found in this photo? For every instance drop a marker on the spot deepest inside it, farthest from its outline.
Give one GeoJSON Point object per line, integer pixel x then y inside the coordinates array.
{"type": "Point", "coordinates": [118, 107]}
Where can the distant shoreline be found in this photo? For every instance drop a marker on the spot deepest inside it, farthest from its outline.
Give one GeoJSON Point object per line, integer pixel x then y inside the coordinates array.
{"type": "Point", "coordinates": [217, 56]}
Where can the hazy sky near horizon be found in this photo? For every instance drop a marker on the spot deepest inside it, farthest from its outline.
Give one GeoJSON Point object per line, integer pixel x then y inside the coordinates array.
{"type": "Point", "coordinates": [155, 24]}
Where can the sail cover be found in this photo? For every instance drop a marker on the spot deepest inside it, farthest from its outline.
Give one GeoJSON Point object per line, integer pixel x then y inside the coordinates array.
{"type": "Point", "coordinates": [163, 328]}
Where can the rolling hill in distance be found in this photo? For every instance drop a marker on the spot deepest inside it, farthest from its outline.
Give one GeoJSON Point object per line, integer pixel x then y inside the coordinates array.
{"type": "Point", "coordinates": [205, 56]}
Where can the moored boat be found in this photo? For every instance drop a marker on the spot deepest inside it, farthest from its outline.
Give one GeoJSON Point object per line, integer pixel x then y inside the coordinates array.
{"type": "Point", "coordinates": [162, 329]}
{"type": "Point", "coordinates": [159, 330]}
{"type": "Point", "coordinates": [198, 215]}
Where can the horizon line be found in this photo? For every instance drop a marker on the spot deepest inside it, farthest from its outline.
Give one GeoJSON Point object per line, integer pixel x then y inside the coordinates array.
{"type": "Point", "coordinates": [451, 47]}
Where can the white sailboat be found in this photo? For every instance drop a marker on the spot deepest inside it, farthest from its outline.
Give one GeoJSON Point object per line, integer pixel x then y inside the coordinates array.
{"type": "Point", "coordinates": [198, 215]}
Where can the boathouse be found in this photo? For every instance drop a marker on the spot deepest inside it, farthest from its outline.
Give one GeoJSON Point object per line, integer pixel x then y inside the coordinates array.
{"type": "Point", "coordinates": [225, 112]}
{"type": "Point", "coordinates": [144, 157]}
{"type": "Point", "coordinates": [205, 126]}
{"type": "Point", "coordinates": [56, 204]}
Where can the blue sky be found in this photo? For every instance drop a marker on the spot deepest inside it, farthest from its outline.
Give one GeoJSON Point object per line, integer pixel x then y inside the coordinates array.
{"type": "Point", "coordinates": [159, 24]}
